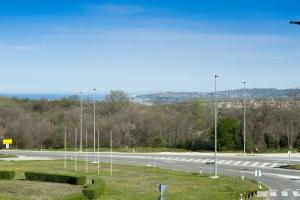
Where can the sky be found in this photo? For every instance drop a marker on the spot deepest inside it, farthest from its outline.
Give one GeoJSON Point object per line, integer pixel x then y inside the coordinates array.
{"type": "Point", "coordinates": [144, 46]}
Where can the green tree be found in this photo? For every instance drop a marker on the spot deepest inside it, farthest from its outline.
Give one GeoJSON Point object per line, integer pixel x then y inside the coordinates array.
{"type": "Point", "coordinates": [297, 141]}
{"type": "Point", "coordinates": [270, 141]}
{"type": "Point", "coordinates": [284, 141]}
{"type": "Point", "coordinates": [228, 132]}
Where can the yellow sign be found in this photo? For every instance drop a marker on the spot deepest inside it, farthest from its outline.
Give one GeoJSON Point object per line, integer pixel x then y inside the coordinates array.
{"type": "Point", "coordinates": [7, 141]}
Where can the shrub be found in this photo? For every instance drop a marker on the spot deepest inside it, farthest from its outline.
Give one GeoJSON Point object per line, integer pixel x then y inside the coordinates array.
{"type": "Point", "coordinates": [7, 175]}
{"type": "Point", "coordinates": [94, 190]}
{"type": "Point", "coordinates": [76, 196]}
{"type": "Point", "coordinates": [55, 178]}
{"type": "Point", "coordinates": [284, 141]}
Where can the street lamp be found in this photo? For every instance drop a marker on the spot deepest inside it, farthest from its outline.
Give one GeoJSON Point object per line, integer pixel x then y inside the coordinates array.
{"type": "Point", "coordinates": [295, 22]}
{"type": "Point", "coordinates": [94, 160]}
{"type": "Point", "coordinates": [216, 124]}
{"type": "Point", "coordinates": [244, 82]}
{"type": "Point", "coordinates": [80, 121]}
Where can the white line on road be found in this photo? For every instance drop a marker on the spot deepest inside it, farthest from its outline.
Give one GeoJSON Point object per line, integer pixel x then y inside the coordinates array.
{"type": "Point", "coordinates": [274, 165]}
{"type": "Point", "coordinates": [273, 194]}
{"type": "Point", "coordinates": [284, 193]}
{"type": "Point", "coordinates": [264, 165]}
{"type": "Point", "coordinates": [296, 193]}
{"type": "Point", "coordinates": [236, 163]}
{"type": "Point", "coordinates": [246, 163]}
{"type": "Point", "coordinates": [228, 162]}
{"type": "Point", "coordinates": [221, 161]}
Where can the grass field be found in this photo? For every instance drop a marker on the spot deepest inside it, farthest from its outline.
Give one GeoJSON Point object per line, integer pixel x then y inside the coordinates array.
{"type": "Point", "coordinates": [127, 183]}
{"type": "Point", "coordinates": [7, 156]}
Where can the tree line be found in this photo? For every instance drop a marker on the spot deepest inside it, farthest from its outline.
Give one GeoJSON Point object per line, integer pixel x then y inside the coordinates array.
{"type": "Point", "coordinates": [188, 125]}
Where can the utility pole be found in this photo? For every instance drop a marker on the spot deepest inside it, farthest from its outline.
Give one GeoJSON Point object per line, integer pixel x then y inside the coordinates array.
{"type": "Point", "coordinates": [65, 144]}
{"type": "Point", "coordinates": [98, 155]}
{"type": "Point", "coordinates": [80, 122]}
{"type": "Point", "coordinates": [75, 159]}
{"type": "Point", "coordinates": [216, 124]}
{"type": "Point", "coordinates": [244, 82]}
{"type": "Point", "coordinates": [86, 151]}
{"type": "Point", "coordinates": [111, 162]}
{"type": "Point", "coordinates": [94, 160]}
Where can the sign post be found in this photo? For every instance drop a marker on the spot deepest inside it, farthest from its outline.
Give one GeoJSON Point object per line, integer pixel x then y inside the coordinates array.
{"type": "Point", "coordinates": [258, 174]}
{"type": "Point", "coordinates": [162, 188]}
{"type": "Point", "coordinates": [7, 142]}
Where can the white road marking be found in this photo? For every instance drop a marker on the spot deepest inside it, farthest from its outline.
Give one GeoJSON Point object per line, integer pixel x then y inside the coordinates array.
{"type": "Point", "coordinates": [228, 162]}
{"type": "Point", "coordinates": [254, 164]}
{"type": "Point", "coordinates": [221, 161]}
{"type": "Point", "coordinates": [273, 194]}
{"type": "Point", "coordinates": [246, 163]}
{"type": "Point", "coordinates": [284, 193]}
{"type": "Point", "coordinates": [274, 165]}
{"type": "Point", "coordinates": [264, 165]}
{"type": "Point", "coordinates": [198, 160]}
{"type": "Point", "coordinates": [296, 193]}
{"type": "Point", "coordinates": [205, 160]}
{"type": "Point", "coordinates": [236, 163]}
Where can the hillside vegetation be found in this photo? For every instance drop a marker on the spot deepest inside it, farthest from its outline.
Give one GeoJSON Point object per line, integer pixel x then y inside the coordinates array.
{"type": "Point", "coordinates": [188, 125]}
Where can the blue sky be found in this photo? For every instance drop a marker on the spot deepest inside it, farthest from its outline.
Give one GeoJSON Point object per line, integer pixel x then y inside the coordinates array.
{"type": "Point", "coordinates": [66, 46]}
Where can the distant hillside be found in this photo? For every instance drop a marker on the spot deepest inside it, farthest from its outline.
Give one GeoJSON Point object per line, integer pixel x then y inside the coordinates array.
{"type": "Point", "coordinates": [229, 95]}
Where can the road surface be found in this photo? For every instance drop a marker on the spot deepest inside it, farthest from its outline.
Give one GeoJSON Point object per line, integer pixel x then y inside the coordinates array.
{"type": "Point", "coordinates": [283, 183]}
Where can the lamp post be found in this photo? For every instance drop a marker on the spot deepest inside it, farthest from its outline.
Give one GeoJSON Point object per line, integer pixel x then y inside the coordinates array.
{"type": "Point", "coordinates": [290, 152]}
{"type": "Point", "coordinates": [244, 82]}
{"type": "Point", "coordinates": [295, 22]}
{"type": "Point", "coordinates": [80, 122]}
{"type": "Point", "coordinates": [216, 124]}
{"type": "Point", "coordinates": [94, 161]}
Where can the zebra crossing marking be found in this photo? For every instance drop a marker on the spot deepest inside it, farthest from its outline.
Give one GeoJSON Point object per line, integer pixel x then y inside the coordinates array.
{"type": "Point", "coordinates": [228, 162]}
{"type": "Point", "coordinates": [264, 165]}
{"type": "Point", "coordinates": [284, 193]}
{"type": "Point", "coordinates": [246, 163]}
{"type": "Point", "coordinates": [237, 162]}
{"type": "Point", "coordinates": [222, 162]}
{"type": "Point", "coordinates": [296, 193]}
{"type": "Point", "coordinates": [273, 194]}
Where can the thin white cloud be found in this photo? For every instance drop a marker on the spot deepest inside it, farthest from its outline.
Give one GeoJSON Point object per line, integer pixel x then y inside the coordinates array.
{"type": "Point", "coordinates": [119, 9]}
{"type": "Point", "coordinates": [17, 49]}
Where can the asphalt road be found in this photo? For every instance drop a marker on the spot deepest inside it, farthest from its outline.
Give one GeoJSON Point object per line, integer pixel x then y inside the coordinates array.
{"type": "Point", "coordinates": [283, 183]}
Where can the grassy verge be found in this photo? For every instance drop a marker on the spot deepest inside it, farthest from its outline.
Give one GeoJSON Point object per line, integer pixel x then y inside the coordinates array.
{"type": "Point", "coordinates": [127, 182]}
{"type": "Point", "coordinates": [296, 167]}
{"type": "Point", "coordinates": [7, 156]}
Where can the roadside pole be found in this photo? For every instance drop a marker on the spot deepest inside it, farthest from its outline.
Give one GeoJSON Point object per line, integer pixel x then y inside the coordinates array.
{"type": "Point", "coordinates": [111, 154]}
{"type": "Point", "coordinates": [98, 155]}
{"type": "Point", "coordinates": [86, 152]}
{"type": "Point", "coordinates": [75, 160]}
{"type": "Point", "coordinates": [291, 143]}
{"type": "Point", "coordinates": [65, 144]}
{"type": "Point", "coordinates": [80, 122]}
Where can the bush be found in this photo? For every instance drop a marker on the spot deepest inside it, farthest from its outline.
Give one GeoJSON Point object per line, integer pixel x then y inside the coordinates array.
{"type": "Point", "coordinates": [284, 141]}
{"type": "Point", "coordinates": [270, 141]}
{"type": "Point", "coordinates": [8, 175]}
{"type": "Point", "coordinates": [76, 196]}
{"type": "Point", "coordinates": [55, 178]}
{"type": "Point", "coordinates": [95, 190]}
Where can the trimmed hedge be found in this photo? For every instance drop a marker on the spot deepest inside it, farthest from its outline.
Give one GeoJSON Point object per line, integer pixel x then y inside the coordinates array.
{"type": "Point", "coordinates": [7, 175]}
{"type": "Point", "coordinates": [95, 190]}
{"type": "Point", "coordinates": [75, 196]}
{"type": "Point", "coordinates": [55, 178]}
